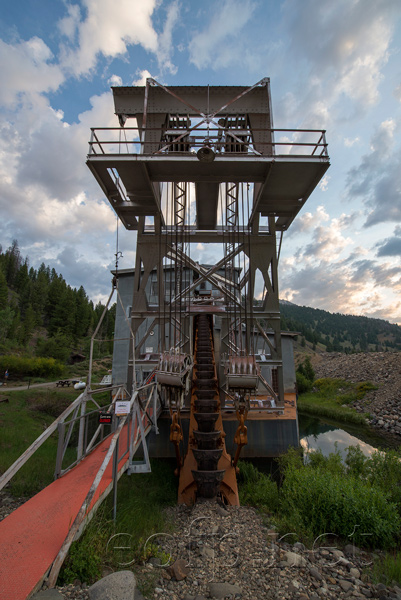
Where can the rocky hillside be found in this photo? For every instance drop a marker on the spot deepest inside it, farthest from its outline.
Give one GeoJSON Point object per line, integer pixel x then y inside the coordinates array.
{"type": "Point", "coordinates": [381, 368]}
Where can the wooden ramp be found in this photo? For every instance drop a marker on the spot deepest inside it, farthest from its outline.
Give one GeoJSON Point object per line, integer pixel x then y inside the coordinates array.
{"type": "Point", "coordinates": [31, 536]}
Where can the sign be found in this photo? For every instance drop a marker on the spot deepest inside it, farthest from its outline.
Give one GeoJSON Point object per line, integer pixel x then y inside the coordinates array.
{"type": "Point", "coordinates": [105, 417]}
{"type": "Point", "coordinates": [122, 408]}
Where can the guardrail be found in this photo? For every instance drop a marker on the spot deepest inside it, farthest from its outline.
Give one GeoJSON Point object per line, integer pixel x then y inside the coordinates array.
{"type": "Point", "coordinates": [224, 142]}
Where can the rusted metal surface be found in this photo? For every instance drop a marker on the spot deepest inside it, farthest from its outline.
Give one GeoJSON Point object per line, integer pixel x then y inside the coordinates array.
{"type": "Point", "coordinates": [207, 470]}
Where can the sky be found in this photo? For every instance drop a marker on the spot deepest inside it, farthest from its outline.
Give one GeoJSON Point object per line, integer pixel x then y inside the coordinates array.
{"type": "Point", "coordinates": [333, 64]}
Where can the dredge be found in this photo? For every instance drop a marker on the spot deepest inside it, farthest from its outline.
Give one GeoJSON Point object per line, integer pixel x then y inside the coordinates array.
{"type": "Point", "coordinates": [202, 177]}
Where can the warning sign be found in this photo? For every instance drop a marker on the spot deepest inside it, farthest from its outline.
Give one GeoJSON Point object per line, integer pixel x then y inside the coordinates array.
{"type": "Point", "coordinates": [105, 418]}
{"type": "Point", "coordinates": [122, 408]}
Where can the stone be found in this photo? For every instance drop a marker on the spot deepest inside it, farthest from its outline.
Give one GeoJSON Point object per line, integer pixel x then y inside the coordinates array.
{"type": "Point", "coordinates": [345, 585]}
{"type": "Point", "coordinates": [354, 572]}
{"type": "Point", "coordinates": [295, 560]}
{"type": "Point", "coordinates": [315, 573]}
{"type": "Point", "coordinates": [179, 570]}
{"type": "Point", "coordinates": [221, 590]}
{"type": "Point", "coordinates": [138, 595]}
{"type": "Point", "coordinates": [207, 552]}
{"type": "Point", "coordinates": [367, 593]}
{"type": "Point", "coordinates": [48, 595]}
{"type": "Point", "coordinates": [223, 512]}
{"type": "Point", "coordinates": [299, 546]}
{"type": "Point", "coordinates": [117, 586]}
{"type": "Point", "coordinates": [351, 550]}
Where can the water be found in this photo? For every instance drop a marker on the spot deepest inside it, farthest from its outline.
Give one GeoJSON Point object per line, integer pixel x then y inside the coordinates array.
{"type": "Point", "coordinates": [315, 433]}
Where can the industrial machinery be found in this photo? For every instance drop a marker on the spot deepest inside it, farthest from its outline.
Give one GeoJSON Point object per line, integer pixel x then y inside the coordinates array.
{"type": "Point", "coordinates": [194, 170]}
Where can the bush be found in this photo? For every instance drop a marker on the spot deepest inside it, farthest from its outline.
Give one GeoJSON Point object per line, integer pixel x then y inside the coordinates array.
{"type": "Point", "coordinates": [34, 367]}
{"type": "Point", "coordinates": [319, 502]}
{"type": "Point", "coordinates": [256, 488]}
{"type": "Point", "coordinates": [303, 384]}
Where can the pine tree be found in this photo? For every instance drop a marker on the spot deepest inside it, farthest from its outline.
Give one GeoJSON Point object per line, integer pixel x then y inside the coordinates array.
{"type": "Point", "coordinates": [3, 291]}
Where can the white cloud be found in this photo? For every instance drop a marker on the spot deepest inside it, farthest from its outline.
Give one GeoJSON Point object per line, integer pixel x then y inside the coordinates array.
{"type": "Point", "coordinates": [308, 221]}
{"type": "Point", "coordinates": [340, 49]}
{"type": "Point", "coordinates": [68, 26]}
{"type": "Point", "coordinates": [165, 41]}
{"type": "Point", "coordinates": [108, 28]}
{"type": "Point", "coordinates": [25, 69]}
{"type": "Point", "coordinates": [324, 184]}
{"type": "Point", "coordinates": [115, 80]}
{"type": "Point", "coordinates": [142, 77]}
{"type": "Point", "coordinates": [349, 143]}
{"type": "Point", "coordinates": [219, 44]}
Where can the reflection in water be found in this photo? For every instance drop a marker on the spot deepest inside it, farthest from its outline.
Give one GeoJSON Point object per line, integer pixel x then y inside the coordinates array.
{"type": "Point", "coordinates": [315, 433]}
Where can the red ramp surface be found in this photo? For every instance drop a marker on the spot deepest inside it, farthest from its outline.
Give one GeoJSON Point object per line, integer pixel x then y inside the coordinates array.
{"type": "Point", "coordinates": [31, 536]}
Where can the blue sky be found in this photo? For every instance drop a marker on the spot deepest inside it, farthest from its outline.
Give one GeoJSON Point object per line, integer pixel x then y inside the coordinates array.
{"type": "Point", "coordinates": [333, 65]}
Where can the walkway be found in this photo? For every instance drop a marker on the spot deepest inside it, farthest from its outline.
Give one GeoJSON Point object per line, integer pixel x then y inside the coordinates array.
{"type": "Point", "coordinates": [31, 536]}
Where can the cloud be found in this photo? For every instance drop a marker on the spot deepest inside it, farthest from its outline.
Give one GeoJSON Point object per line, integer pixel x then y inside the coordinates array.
{"type": "Point", "coordinates": [308, 221]}
{"type": "Point", "coordinates": [26, 69]}
{"type": "Point", "coordinates": [377, 179]}
{"type": "Point", "coordinates": [46, 191]}
{"type": "Point", "coordinates": [108, 29]}
{"type": "Point", "coordinates": [340, 49]}
{"type": "Point", "coordinates": [219, 44]}
{"type": "Point", "coordinates": [115, 80]}
{"type": "Point", "coordinates": [330, 272]}
{"type": "Point", "coordinates": [142, 77]}
{"type": "Point", "coordinates": [165, 41]}
{"type": "Point", "coordinates": [68, 26]}
{"type": "Point", "coordinates": [390, 247]}
{"type": "Point", "coordinates": [324, 184]}
{"type": "Point", "coordinates": [349, 143]}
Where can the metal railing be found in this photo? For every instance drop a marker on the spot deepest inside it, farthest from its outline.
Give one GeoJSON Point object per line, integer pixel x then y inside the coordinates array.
{"type": "Point", "coordinates": [224, 142]}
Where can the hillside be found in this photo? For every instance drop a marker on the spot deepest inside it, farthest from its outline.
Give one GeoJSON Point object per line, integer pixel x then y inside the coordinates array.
{"type": "Point", "coordinates": [42, 316]}
{"type": "Point", "coordinates": [334, 332]}
{"type": "Point", "coordinates": [383, 369]}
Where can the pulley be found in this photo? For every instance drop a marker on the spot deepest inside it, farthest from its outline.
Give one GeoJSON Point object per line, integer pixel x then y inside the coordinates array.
{"type": "Point", "coordinates": [206, 154]}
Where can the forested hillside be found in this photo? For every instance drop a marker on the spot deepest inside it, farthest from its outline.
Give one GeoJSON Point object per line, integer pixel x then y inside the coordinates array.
{"type": "Point", "coordinates": [42, 315]}
{"type": "Point", "coordinates": [335, 332]}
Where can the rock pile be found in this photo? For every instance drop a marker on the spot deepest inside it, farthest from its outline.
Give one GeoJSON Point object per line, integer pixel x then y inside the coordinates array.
{"type": "Point", "coordinates": [224, 553]}
{"type": "Point", "coordinates": [380, 368]}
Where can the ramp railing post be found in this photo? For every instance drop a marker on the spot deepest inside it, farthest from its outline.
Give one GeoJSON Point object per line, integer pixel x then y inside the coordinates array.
{"type": "Point", "coordinates": [81, 435]}
{"type": "Point", "coordinates": [115, 474]}
{"type": "Point", "coordinates": [60, 448]}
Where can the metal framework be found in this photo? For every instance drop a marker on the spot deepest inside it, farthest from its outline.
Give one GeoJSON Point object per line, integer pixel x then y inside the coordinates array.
{"type": "Point", "coordinates": [204, 165]}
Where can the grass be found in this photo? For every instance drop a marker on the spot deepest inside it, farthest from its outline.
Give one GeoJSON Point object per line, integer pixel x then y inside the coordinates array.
{"type": "Point", "coordinates": [388, 569]}
{"type": "Point", "coordinates": [22, 420]}
{"type": "Point", "coordinates": [141, 501]}
{"type": "Point", "coordinates": [329, 495]}
{"type": "Point", "coordinates": [330, 399]}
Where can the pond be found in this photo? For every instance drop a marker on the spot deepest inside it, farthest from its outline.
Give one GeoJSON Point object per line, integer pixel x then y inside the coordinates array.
{"type": "Point", "coordinates": [315, 433]}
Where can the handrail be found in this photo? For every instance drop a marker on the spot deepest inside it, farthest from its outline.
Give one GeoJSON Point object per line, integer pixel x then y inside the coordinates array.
{"type": "Point", "coordinates": [224, 141]}
{"type": "Point", "coordinates": [15, 467]}
{"type": "Point", "coordinates": [95, 484]}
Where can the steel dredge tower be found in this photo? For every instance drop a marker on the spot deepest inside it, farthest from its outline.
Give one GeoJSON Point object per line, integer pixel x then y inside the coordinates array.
{"type": "Point", "coordinates": [202, 167]}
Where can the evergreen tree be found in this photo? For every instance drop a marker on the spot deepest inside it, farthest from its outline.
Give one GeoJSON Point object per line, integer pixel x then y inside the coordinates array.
{"type": "Point", "coordinates": [3, 291]}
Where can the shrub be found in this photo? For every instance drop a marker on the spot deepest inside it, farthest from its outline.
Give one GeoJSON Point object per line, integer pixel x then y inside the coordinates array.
{"type": "Point", "coordinates": [303, 384]}
{"type": "Point", "coordinates": [256, 488]}
{"type": "Point", "coordinates": [316, 501]}
{"type": "Point", "coordinates": [34, 367]}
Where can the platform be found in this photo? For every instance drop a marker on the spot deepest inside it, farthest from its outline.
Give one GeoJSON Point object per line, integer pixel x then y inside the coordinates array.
{"type": "Point", "coordinates": [33, 534]}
